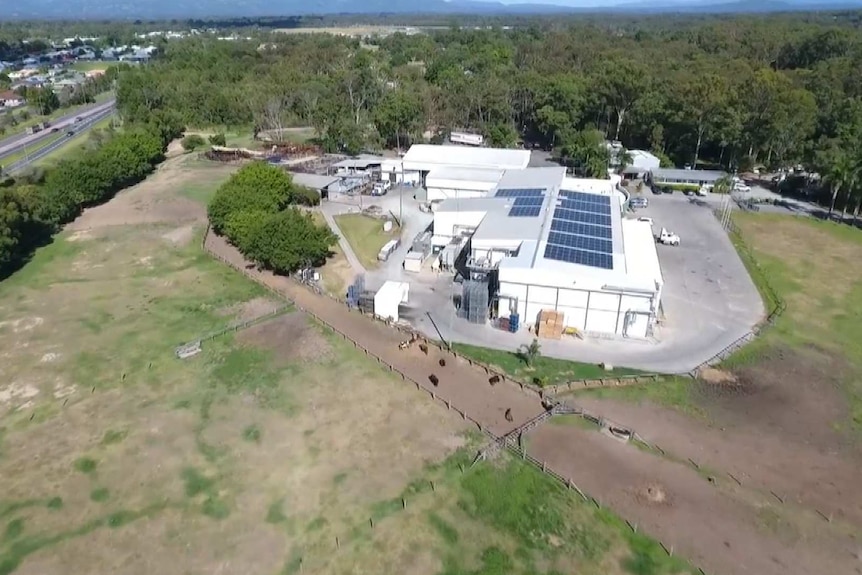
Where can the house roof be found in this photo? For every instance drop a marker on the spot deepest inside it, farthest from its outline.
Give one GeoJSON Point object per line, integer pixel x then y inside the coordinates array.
{"type": "Point", "coordinates": [9, 95]}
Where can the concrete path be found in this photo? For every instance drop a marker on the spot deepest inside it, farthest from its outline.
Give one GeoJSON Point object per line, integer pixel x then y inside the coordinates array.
{"type": "Point", "coordinates": [355, 265]}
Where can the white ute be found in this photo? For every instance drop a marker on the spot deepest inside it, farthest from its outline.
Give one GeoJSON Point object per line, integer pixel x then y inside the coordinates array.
{"type": "Point", "coordinates": [668, 238]}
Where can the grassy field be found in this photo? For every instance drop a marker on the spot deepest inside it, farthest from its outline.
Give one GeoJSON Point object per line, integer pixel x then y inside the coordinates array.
{"type": "Point", "coordinates": [279, 449]}
{"type": "Point", "coordinates": [544, 371]}
{"type": "Point", "coordinates": [366, 236]}
{"type": "Point", "coordinates": [811, 265]}
{"type": "Point", "coordinates": [90, 66]}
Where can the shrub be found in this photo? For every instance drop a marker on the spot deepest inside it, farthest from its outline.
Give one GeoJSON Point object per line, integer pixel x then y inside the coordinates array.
{"type": "Point", "coordinates": [218, 140]}
{"type": "Point", "coordinates": [305, 196]}
{"type": "Point", "coordinates": [193, 142]}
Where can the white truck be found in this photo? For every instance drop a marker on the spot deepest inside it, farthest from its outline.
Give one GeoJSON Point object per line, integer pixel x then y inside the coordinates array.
{"type": "Point", "coordinates": [668, 238]}
{"type": "Point", "coordinates": [380, 188]}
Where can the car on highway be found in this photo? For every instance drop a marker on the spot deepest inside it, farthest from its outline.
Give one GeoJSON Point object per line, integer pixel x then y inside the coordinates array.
{"type": "Point", "coordinates": [70, 133]}
{"type": "Point", "coordinates": [79, 119]}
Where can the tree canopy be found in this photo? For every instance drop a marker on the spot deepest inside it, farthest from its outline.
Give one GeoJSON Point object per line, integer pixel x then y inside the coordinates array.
{"type": "Point", "coordinates": [252, 209]}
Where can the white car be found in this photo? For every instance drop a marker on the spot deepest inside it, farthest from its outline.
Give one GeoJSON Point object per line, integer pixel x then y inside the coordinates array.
{"type": "Point", "coordinates": [668, 238]}
{"type": "Point", "coordinates": [740, 187]}
{"type": "Point", "coordinates": [645, 219]}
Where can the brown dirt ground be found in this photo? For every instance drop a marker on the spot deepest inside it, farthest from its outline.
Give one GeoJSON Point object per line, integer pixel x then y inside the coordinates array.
{"type": "Point", "coordinates": [291, 337]}
{"type": "Point", "coordinates": [152, 201]}
{"type": "Point", "coordinates": [671, 501]}
{"type": "Point", "coordinates": [771, 426]}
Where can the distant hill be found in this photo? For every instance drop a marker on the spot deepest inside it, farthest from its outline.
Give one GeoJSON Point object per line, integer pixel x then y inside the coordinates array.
{"type": "Point", "coordinates": [211, 9]}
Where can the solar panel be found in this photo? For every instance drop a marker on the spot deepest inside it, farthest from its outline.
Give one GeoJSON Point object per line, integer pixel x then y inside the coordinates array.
{"type": "Point", "coordinates": [583, 217]}
{"type": "Point", "coordinates": [583, 197]}
{"type": "Point", "coordinates": [585, 207]}
{"type": "Point", "coordinates": [581, 229]}
{"type": "Point", "coordinates": [581, 242]}
{"type": "Point", "coordinates": [525, 211]}
{"type": "Point", "coordinates": [582, 257]}
{"type": "Point", "coordinates": [529, 201]}
{"type": "Point", "coordinates": [520, 193]}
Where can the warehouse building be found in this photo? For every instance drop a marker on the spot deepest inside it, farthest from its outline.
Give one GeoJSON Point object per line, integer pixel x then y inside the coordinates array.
{"type": "Point", "coordinates": [537, 243]}
{"type": "Point", "coordinates": [423, 159]}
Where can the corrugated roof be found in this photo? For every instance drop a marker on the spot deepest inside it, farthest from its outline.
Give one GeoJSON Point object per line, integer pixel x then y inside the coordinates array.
{"type": "Point", "coordinates": [313, 181]}
{"type": "Point", "coordinates": [694, 175]}
{"type": "Point", "coordinates": [465, 174]}
{"type": "Point", "coordinates": [426, 157]}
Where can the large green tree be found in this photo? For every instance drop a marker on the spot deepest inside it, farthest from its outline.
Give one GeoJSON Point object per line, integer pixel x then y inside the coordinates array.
{"type": "Point", "coordinates": [255, 187]}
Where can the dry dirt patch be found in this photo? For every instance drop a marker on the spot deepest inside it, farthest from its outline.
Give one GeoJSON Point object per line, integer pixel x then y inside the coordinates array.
{"type": "Point", "coordinates": [290, 337]}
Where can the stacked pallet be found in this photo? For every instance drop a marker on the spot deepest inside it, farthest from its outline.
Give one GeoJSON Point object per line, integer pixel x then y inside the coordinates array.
{"type": "Point", "coordinates": [550, 324]}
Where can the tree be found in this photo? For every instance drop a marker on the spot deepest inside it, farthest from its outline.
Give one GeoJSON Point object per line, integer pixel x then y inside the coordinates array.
{"type": "Point", "coordinates": [702, 98]}
{"type": "Point", "coordinates": [255, 187]}
{"type": "Point", "coordinates": [529, 353]}
{"type": "Point", "coordinates": [588, 153]}
{"type": "Point", "coordinates": [289, 240]}
{"type": "Point", "coordinates": [193, 142]}
{"type": "Point", "coordinates": [839, 170]}
{"type": "Point", "coordinates": [398, 115]}
{"type": "Point", "coordinates": [622, 83]}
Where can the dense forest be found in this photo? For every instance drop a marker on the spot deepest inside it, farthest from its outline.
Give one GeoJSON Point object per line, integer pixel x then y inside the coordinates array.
{"type": "Point", "coordinates": [733, 92]}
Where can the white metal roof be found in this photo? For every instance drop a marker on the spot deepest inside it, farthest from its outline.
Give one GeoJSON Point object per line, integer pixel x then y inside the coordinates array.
{"type": "Point", "coordinates": [641, 257]}
{"type": "Point", "coordinates": [362, 161]}
{"type": "Point", "coordinates": [687, 175]}
{"type": "Point", "coordinates": [426, 157]}
{"type": "Point", "coordinates": [313, 181]}
{"type": "Point", "coordinates": [465, 174]}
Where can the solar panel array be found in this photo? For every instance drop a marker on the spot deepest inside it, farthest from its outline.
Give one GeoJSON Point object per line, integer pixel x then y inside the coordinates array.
{"type": "Point", "coordinates": [520, 193]}
{"type": "Point", "coordinates": [527, 202]}
{"type": "Point", "coordinates": [581, 231]}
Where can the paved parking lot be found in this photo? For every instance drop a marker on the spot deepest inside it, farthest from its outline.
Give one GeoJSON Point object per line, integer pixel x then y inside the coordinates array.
{"type": "Point", "coordinates": [709, 299]}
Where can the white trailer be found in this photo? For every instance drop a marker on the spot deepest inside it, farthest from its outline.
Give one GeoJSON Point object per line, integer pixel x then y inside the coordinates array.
{"type": "Point", "coordinates": [387, 299]}
{"type": "Point", "coordinates": [467, 139]}
{"type": "Point", "coordinates": [387, 250]}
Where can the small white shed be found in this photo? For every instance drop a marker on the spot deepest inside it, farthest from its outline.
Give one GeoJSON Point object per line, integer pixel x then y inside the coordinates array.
{"type": "Point", "coordinates": [387, 299]}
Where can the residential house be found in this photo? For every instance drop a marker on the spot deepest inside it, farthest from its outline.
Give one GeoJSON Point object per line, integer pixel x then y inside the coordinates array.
{"type": "Point", "coordinates": [10, 99]}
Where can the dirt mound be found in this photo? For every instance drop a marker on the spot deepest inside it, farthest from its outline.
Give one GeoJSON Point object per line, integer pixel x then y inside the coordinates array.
{"type": "Point", "coordinates": [652, 494]}
{"type": "Point", "coordinates": [290, 337]}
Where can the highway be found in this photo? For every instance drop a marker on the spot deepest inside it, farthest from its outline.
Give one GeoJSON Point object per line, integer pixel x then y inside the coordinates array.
{"type": "Point", "coordinates": [36, 153]}
{"type": "Point", "coordinates": [14, 144]}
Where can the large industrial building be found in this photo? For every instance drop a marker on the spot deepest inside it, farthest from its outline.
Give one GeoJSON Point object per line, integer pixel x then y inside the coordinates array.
{"type": "Point", "coordinates": [541, 241]}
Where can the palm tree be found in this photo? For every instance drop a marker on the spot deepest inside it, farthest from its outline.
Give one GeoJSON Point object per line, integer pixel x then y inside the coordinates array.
{"type": "Point", "coordinates": [529, 353]}
{"type": "Point", "coordinates": [839, 171]}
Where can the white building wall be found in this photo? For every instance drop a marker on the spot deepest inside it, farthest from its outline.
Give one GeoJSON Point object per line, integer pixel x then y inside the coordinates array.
{"type": "Point", "coordinates": [587, 310]}
{"type": "Point", "coordinates": [446, 223]}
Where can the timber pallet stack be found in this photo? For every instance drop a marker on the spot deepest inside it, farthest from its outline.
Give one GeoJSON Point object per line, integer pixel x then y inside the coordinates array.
{"type": "Point", "coordinates": [550, 324]}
